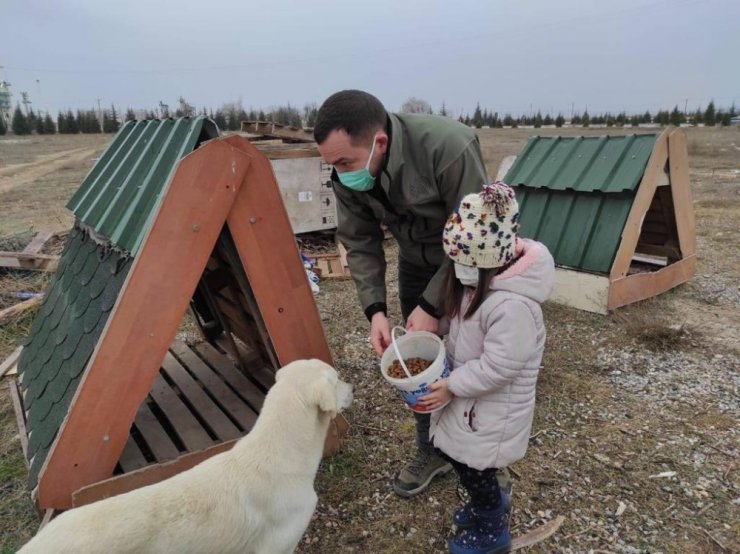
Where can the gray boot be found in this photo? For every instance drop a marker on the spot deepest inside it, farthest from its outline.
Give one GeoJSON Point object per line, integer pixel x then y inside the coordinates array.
{"type": "Point", "coordinates": [417, 475]}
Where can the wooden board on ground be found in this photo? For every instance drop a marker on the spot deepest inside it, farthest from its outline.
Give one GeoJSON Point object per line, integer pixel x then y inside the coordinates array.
{"type": "Point", "coordinates": [8, 367]}
{"type": "Point", "coordinates": [28, 261]}
{"type": "Point", "coordinates": [18, 309]}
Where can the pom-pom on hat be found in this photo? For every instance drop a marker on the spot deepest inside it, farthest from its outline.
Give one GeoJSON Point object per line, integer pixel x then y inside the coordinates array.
{"type": "Point", "coordinates": [482, 232]}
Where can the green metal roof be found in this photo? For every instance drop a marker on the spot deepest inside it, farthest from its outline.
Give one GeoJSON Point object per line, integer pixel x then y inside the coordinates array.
{"type": "Point", "coordinates": [63, 336]}
{"type": "Point", "coordinates": [120, 195]}
{"type": "Point", "coordinates": [575, 194]}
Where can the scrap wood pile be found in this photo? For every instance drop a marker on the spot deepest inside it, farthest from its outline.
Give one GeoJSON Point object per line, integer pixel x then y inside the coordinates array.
{"type": "Point", "coordinates": [25, 263]}
{"type": "Point", "coordinates": [323, 255]}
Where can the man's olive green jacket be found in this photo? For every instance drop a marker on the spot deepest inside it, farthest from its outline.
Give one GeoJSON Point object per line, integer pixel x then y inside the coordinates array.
{"type": "Point", "coordinates": [431, 164]}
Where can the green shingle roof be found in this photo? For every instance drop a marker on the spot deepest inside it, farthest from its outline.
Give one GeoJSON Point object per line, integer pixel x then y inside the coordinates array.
{"type": "Point", "coordinates": [63, 335]}
{"type": "Point", "coordinates": [575, 194]}
{"type": "Point", "coordinates": [114, 206]}
{"type": "Point", "coordinates": [120, 194]}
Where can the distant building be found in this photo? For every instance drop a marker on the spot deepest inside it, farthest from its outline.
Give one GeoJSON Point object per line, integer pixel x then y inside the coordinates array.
{"type": "Point", "coordinates": [735, 120]}
{"type": "Point", "coordinates": [5, 101]}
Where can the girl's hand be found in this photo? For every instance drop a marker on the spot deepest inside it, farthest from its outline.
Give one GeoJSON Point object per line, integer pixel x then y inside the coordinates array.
{"type": "Point", "coordinates": [439, 396]}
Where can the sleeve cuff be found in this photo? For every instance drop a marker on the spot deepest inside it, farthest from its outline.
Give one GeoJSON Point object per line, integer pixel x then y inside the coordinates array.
{"type": "Point", "coordinates": [428, 308]}
{"type": "Point", "coordinates": [373, 309]}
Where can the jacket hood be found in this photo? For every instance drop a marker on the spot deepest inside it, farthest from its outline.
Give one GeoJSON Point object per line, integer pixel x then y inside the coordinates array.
{"type": "Point", "coordinates": [532, 274]}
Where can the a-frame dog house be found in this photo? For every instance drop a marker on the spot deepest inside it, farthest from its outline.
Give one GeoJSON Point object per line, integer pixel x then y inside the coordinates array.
{"type": "Point", "coordinates": [169, 217]}
{"type": "Point", "coordinates": [615, 211]}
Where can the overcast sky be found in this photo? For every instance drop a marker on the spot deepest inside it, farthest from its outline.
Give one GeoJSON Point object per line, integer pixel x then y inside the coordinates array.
{"type": "Point", "coordinates": [511, 56]}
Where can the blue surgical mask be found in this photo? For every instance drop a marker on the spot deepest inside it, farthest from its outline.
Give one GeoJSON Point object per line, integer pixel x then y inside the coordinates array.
{"type": "Point", "coordinates": [360, 179]}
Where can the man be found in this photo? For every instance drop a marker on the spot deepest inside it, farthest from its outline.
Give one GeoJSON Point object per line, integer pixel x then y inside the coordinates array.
{"type": "Point", "coordinates": [407, 171]}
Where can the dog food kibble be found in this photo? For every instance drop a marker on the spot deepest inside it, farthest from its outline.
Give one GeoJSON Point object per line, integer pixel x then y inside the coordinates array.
{"type": "Point", "coordinates": [414, 365]}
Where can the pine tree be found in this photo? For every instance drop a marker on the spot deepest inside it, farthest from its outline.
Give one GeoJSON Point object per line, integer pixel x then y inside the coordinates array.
{"type": "Point", "coordinates": [547, 120]}
{"type": "Point", "coordinates": [39, 125]}
{"type": "Point", "coordinates": [676, 117]}
{"type": "Point", "coordinates": [443, 110]}
{"type": "Point", "coordinates": [586, 119]}
{"type": "Point", "coordinates": [477, 117]}
{"type": "Point", "coordinates": [49, 127]}
{"type": "Point", "coordinates": [537, 122]}
{"type": "Point", "coordinates": [112, 124]}
{"type": "Point", "coordinates": [3, 125]}
{"type": "Point", "coordinates": [220, 120]}
{"type": "Point", "coordinates": [559, 120]}
{"type": "Point", "coordinates": [646, 118]}
{"type": "Point", "coordinates": [609, 120]}
{"type": "Point", "coordinates": [31, 117]}
{"type": "Point", "coordinates": [710, 116]}
{"type": "Point", "coordinates": [130, 115]}
{"type": "Point", "coordinates": [73, 126]}
{"type": "Point", "coordinates": [635, 120]}
{"type": "Point", "coordinates": [20, 122]}
{"type": "Point", "coordinates": [575, 120]}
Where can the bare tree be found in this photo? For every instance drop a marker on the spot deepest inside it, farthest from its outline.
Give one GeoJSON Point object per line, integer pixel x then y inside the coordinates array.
{"type": "Point", "coordinates": [416, 105]}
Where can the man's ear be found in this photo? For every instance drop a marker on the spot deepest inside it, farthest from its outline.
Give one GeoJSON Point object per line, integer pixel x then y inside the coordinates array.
{"type": "Point", "coordinates": [325, 396]}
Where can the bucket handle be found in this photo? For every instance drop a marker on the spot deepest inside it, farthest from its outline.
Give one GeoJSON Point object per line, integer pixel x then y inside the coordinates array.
{"type": "Point", "coordinates": [398, 353]}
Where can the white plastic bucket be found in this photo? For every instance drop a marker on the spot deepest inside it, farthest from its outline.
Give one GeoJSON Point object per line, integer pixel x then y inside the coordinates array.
{"type": "Point", "coordinates": [416, 344]}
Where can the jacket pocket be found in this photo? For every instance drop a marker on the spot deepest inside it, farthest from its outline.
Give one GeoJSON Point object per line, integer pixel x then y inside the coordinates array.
{"type": "Point", "coordinates": [469, 416]}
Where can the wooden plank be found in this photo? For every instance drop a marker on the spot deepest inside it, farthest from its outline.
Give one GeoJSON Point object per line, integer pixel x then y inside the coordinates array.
{"type": "Point", "coordinates": [20, 417]}
{"type": "Point", "coordinates": [238, 382]}
{"type": "Point", "coordinates": [144, 476]}
{"type": "Point", "coordinates": [640, 286]}
{"type": "Point", "coordinates": [131, 457]}
{"type": "Point", "coordinates": [15, 311]}
{"type": "Point", "coordinates": [208, 410]}
{"type": "Point", "coordinates": [38, 242]}
{"type": "Point", "coordinates": [584, 291]}
{"type": "Point", "coordinates": [681, 191]}
{"type": "Point", "coordinates": [28, 261]}
{"type": "Point", "coordinates": [237, 408]}
{"type": "Point", "coordinates": [640, 207]}
{"type": "Point", "coordinates": [144, 320]}
{"type": "Point", "coordinates": [261, 231]}
{"type": "Point", "coordinates": [188, 428]}
{"type": "Point", "coordinates": [154, 435]}
{"type": "Point", "coordinates": [257, 369]}
{"type": "Point", "coordinates": [11, 361]}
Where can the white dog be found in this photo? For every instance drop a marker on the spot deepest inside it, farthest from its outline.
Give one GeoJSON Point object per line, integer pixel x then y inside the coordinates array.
{"type": "Point", "coordinates": [256, 498]}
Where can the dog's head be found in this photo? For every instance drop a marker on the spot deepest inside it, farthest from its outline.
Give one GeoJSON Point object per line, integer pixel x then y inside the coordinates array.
{"type": "Point", "coordinates": [318, 384]}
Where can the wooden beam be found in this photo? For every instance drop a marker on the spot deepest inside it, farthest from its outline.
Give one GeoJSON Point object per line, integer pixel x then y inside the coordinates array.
{"type": "Point", "coordinates": [640, 206]}
{"type": "Point", "coordinates": [145, 476]}
{"type": "Point", "coordinates": [11, 361]}
{"type": "Point", "coordinates": [678, 163]}
{"type": "Point", "coordinates": [640, 286]}
{"type": "Point", "coordinates": [144, 320]}
{"type": "Point", "coordinates": [28, 261]}
{"type": "Point", "coordinates": [20, 417]}
{"type": "Point", "coordinates": [16, 310]}
{"type": "Point", "coordinates": [38, 242]}
{"type": "Point", "coordinates": [266, 246]}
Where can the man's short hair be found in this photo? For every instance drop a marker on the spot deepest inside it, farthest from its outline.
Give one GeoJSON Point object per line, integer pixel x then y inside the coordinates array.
{"type": "Point", "coordinates": [358, 113]}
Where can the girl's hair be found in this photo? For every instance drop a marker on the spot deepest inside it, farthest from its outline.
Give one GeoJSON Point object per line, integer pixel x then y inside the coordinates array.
{"type": "Point", "coordinates": [455, 291]}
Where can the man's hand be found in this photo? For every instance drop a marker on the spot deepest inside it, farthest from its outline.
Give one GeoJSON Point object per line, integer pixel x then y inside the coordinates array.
{"type": "Point", "coordinates": [439, 396]}
{"type": "Point", "coordinates": [380, 333]}
{"type": "Point", "coordinates": [419, 320]}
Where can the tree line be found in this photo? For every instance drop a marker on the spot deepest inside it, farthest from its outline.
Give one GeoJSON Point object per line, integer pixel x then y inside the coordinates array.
{"type": "Point", "coordinates": [229, 116]}
{"type": "Point", "coordinates": [710, 116]}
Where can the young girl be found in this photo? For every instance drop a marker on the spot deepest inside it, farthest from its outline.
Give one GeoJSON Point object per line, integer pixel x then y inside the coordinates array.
{"type": "Point", "coordinates": [495, 344]}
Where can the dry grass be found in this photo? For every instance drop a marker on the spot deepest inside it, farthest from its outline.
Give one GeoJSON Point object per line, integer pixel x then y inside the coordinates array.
{"type": "Point", "coordinates": [620, 399]}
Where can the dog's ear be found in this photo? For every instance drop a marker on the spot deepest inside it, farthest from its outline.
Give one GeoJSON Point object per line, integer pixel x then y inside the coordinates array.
{"type": "Point", "coordinates": [325, 395]}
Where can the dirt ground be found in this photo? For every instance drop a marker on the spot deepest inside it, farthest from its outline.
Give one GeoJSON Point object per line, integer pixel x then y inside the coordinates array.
{"type": "Point", "coordinates": [635, 440]}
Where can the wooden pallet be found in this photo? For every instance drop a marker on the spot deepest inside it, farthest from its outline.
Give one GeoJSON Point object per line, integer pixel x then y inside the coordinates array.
{"type": "Point", "coordinates": [332, 266]}
{"type": "Point", "coordinates": [30, 258]}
